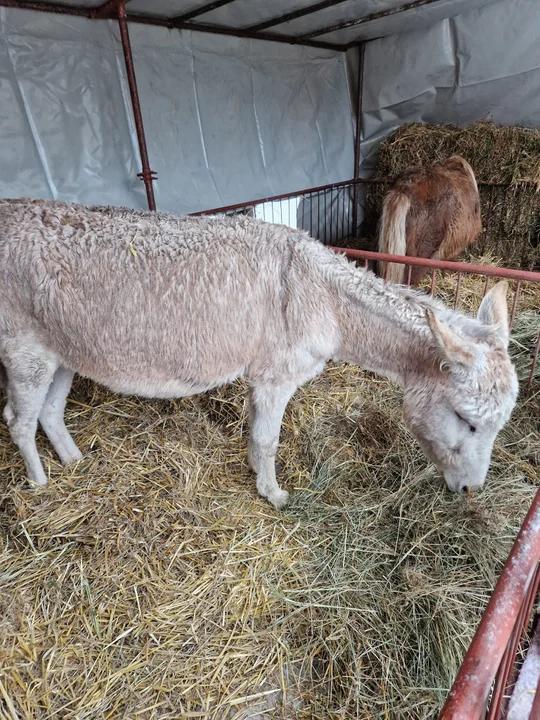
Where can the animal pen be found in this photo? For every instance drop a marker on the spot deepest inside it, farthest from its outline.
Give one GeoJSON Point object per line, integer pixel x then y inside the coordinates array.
{"type": "Point", "coordinates": [332, 213]}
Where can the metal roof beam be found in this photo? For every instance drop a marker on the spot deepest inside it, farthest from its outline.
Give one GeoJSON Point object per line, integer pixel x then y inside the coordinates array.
{"type": "Point", "coordinates": [58, 9]}
{"type": "Point", "coordinates": [237, 32]}
{"type": "Point", "coordinates": [367, 18]}
{"type": "Point", "coordinates": [170, 23]}
{"type": "Point", "coordinates": [200, 11]}
{"type": "Point", "coordinates": [294, 15]}
{"type": "Point", "coordinates": [108, 8]}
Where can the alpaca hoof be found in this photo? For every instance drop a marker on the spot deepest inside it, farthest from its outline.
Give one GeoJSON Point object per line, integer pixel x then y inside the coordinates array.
{"type": "Point", "coordinates": [38, 481]}
{"type": "Point", "coordinates": [73, 458]}
{"type": "Point", "coordinates": [279, 499]}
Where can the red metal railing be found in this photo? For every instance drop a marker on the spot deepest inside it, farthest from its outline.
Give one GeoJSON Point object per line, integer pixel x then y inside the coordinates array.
{"type": "Point", "coordinates": [492, 652]}
{"type": "Point", "coordinates": [489, 662]}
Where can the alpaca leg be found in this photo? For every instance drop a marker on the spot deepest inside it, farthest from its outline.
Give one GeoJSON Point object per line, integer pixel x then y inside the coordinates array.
{"type": "Point", "coordinates": [267, 405]}
{"type": "Point", "coordinates": [27, 389]}
{"type": "Point", "coordinates": [51, 417]}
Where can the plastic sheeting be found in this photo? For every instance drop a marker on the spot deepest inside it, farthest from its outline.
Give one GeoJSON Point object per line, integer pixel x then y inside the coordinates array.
{"type": "Point", "coordinates": [226, 119]}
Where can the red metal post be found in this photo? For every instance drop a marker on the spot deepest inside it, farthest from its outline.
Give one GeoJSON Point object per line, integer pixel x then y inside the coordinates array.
{"type": "Point", "coordinates": [533, 366]}
{"type": "Point", "coordinates": [147, 175]}
{"type": "Point", "coordinates": [357, 137]}
{"type": "Point", "coordinates": [468, 696]}
{"type": "Point", "coordinates": [458, 288]}
{"type": "Point", "coordinates": [507, 663]}
{"type": "Point", "coordinates": [514, 304]}
{"type": "Point", "coordinates": [432, 287]}
{"type": "Point", "coordinates": [108, 7]}
{"type": "Point", "coordinates": [409, 273]}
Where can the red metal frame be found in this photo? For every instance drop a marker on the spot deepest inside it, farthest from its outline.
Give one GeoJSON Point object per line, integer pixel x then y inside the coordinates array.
{"type": "Point", "coordinates": [367, 18]}
{"type": "Point", "coordinates": [500, 628]}
{"type": "Point", "coordinates": [321, 189]}
{"type": "Point", "coordinates": [459, 267]}
{"type": "Point", "coordinates": [255, 32]}
{"type": "Point", "coordinates": [506, 672]}
{"type": "Point", "coordinates": [295, 14]}
{"type": "Point", "coordinates": [107, 11]}
{"type": "Point", "coordinates": [147, 175]}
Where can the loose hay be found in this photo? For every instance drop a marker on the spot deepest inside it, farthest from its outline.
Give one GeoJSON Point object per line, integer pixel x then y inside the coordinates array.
{"type": "Point", "coordinates": [150, 581]}
{"type": "Point", "coordinates": [497, 153]}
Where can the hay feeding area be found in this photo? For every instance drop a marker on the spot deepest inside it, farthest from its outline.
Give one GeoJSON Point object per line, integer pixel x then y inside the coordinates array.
{"type": "Point", "coordinates": [150, 580]}
{"type": "Point", "coordinates": [497, 154]}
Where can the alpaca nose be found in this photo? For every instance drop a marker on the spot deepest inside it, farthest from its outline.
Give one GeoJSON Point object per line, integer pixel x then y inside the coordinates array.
{"type": "Point", "coordinates": [464, 489]}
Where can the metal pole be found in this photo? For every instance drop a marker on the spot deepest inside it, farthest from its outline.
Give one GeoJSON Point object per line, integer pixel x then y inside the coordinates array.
{"type": "Point", "coordinates": [147, 175]}
{"type": "Point", "coordinates": [358, 133]}
{"type": "Point", "coordinates": [103, 11]}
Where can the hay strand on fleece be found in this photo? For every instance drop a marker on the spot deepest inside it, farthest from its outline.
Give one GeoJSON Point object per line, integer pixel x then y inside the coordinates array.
{"type": "Point", "coordinates": [150, 581]}
{"type": "Point", "coordinates": [497, 153]}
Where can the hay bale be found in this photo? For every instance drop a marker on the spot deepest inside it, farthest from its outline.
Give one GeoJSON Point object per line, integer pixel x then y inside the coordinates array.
{"type": "Point", "coordinates": [151, 581]}
{"type": "Point", "coordinates": [497, 153]}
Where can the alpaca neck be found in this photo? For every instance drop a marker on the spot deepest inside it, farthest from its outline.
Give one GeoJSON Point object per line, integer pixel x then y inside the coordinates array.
{"type": "Point", "coordinates": [383, 330]}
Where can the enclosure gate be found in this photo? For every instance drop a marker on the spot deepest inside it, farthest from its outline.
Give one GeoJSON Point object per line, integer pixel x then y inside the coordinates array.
{"type": "Point", "coordinates": [481, 687]}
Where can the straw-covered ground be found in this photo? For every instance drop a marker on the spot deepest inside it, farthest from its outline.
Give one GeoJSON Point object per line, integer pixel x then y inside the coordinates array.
{"type": "Point", "coordinates": [150, 581]}
{"type": "Point", "coordinates": [497, 153]}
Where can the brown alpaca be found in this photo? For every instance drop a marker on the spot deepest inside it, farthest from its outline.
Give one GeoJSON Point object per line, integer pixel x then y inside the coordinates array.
{"type": "Point", "coordinates": [429, 212]}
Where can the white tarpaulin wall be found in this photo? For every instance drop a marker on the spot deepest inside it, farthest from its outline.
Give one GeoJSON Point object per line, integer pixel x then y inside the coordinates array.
{"type": "Point", "coordinates": [226, 119]}
{"type": "Point", "coordinates": [230, 120]}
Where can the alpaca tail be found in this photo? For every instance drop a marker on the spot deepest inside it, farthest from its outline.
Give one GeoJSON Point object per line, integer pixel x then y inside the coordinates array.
{"type": "Point", "coordinates": [392, 238]}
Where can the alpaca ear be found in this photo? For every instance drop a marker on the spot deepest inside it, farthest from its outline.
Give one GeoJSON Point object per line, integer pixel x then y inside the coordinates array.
{"type": "Point", "coordinates": [454, 349]}
{"type": "Point", "coordinates": [493, 310]}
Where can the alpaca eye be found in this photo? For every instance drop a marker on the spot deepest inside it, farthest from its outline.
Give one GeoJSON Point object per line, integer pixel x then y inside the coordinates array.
{"type": "Point", "coordinates": [471, 427]}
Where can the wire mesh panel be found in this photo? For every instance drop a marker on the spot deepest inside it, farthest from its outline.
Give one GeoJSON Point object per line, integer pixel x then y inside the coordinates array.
{"type": "Point", "coordinates": [324, 212]}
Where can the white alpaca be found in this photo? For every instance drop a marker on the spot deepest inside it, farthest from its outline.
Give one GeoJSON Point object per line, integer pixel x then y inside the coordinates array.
{"type": "Point", "coordinates": [166, 306]}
